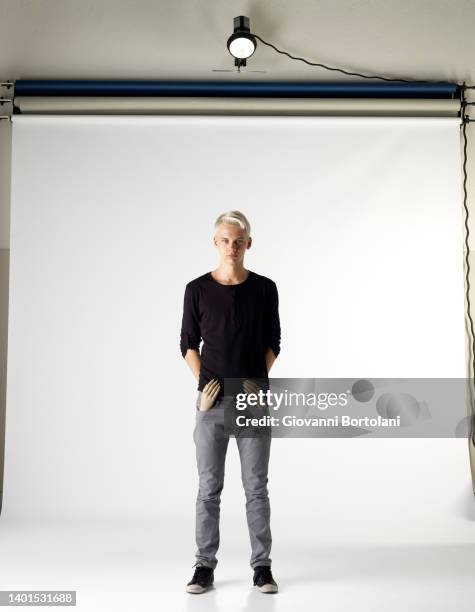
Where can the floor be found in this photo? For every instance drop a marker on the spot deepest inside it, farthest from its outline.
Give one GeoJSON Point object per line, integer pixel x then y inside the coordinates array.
{"type": "Point", "coordinates": [124, 565]}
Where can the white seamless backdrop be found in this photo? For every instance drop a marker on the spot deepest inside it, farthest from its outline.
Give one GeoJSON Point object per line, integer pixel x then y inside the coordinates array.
{"type": "Point", "coordinates": [359, 222]}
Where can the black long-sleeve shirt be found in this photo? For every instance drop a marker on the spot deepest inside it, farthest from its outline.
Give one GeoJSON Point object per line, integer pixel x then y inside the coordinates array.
{"type": "Point", "coordinates": [237, 323]}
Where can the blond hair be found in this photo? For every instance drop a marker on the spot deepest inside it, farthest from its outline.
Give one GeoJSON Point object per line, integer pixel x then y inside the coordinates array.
{"type": "Point", "coordinates": [234, 217]}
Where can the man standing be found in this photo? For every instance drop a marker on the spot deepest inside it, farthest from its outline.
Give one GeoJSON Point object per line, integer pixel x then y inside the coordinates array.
{"type": "Point", "coordinates": [235, 312]}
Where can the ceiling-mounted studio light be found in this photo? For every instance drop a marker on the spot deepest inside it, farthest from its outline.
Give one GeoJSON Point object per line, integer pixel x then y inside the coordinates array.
{"type": "Point", "coordinates": [241, 43]}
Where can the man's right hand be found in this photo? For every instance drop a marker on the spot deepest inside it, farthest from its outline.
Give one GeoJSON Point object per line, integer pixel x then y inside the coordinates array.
{"type": "Point", "coordinates": [209, 394]}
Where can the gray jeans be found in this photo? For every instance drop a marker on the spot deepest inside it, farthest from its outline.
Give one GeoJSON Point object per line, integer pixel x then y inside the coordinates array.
{"type": "Point", "coordinates": [211, 443]}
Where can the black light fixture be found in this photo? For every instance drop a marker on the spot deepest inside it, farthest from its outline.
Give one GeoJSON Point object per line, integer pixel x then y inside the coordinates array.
{"type": "Point", "coordinates": [241, 43]}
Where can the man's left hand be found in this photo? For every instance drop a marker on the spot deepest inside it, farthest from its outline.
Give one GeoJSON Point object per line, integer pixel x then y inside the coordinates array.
{"type": "Point", "coordinates": [250, 386]}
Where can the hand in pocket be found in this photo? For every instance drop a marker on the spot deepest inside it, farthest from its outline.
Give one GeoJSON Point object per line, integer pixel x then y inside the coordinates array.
{"type": "Point", "coordinates": [252, 387]}
{"type": "Point", "coordinates": [209, 394]}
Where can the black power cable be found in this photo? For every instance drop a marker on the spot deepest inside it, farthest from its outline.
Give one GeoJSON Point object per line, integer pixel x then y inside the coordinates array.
{"type": "Point", "coordinates": [364, 76]}
{"type": "Point", "coordinates": [465, 120]}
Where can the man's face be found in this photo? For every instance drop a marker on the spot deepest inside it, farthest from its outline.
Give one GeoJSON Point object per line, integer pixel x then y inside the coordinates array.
{"type": "Point", "coordinates": [231, 242]}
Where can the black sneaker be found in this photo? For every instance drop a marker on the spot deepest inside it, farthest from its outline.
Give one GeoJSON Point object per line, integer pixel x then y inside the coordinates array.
{"type": "Point", "coordinates": [202, 580]}
{"type": "Point", "coordinates": [263, 579]}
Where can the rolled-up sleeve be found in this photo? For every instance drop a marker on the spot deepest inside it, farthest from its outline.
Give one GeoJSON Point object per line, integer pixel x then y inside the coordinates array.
{"type": "Point", "coordinates": [190, 336]}
{"type": "Point", "coordinates": [272, 320]}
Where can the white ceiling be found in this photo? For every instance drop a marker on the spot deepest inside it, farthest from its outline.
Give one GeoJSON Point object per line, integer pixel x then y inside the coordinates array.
{"type": "Point", "coordinates": [171, 39]}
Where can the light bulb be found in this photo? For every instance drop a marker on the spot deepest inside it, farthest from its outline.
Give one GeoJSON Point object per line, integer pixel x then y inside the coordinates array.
{"type": "Point", "coordinates": [242, 47]}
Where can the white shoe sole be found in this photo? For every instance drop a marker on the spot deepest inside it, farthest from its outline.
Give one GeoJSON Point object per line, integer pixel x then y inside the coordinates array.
{"type": "Point", "coordinates": [197, 589]}
{"type": "Point", "coordinates": [268, 588]}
